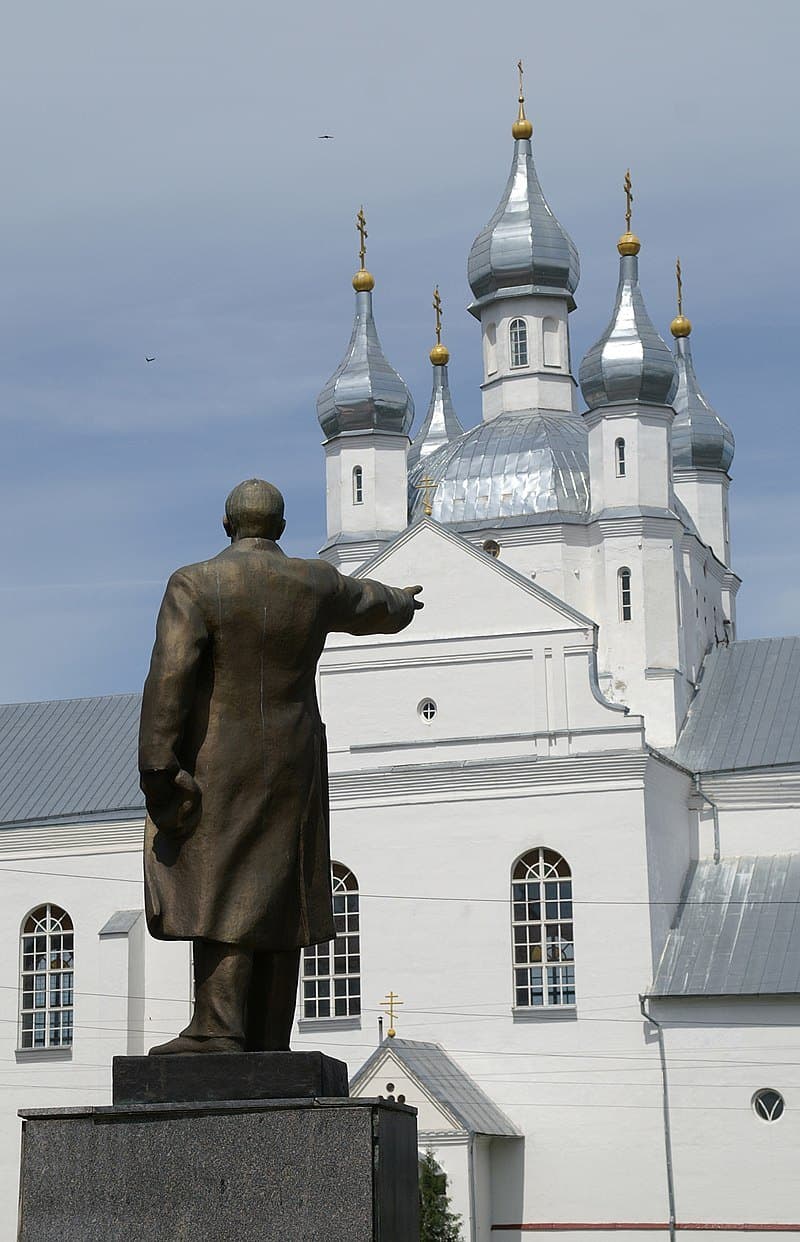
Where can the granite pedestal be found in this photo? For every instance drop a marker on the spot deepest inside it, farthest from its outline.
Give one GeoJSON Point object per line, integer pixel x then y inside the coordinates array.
{"type": "Point", "coordinates": [293, 1170]}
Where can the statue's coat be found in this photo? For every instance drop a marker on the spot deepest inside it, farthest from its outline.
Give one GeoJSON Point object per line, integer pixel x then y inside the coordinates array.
{"type": "Point", "coordinates": [231, 699]}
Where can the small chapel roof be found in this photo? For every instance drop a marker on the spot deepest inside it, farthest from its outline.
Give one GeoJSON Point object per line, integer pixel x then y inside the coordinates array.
{"type": "Point", "coordinates": [746, 713]}
{"type": "Point", "coordinates": [737, 931]}
{"type": "Point", "coordinates": [445, 1080]}
{"type": "Point", "coordinates": [70, 759]}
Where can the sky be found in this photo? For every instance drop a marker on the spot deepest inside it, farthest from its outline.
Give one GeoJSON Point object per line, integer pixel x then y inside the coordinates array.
{"type": "Point", "coordinates": [165, 193]}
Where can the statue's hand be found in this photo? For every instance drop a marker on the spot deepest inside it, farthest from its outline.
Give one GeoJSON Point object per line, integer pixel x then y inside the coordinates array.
{"type": "Point", "coordinates": [413, 592]}
{"type": "Point", "coordinates": [172, 800]}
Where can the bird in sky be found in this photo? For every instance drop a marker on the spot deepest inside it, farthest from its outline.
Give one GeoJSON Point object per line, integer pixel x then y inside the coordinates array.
{"type": "Point", "coordinates": [324, 135]}
{"type": "Point", "coordinates": [149, 359]}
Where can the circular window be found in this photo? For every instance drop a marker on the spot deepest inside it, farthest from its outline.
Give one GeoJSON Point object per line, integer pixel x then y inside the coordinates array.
{"type": "Point", "coordinates": [768, 1104]}
{"type": "Point", "coordinates": [427, 709]}
{"type": "Point", "coordinates": [492, 547]}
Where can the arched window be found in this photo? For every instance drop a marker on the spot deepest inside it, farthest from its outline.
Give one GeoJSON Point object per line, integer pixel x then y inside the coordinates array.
{"type": "Point", "coordinates": [552, 345]}
{"type": "Point", "coordinates": [48, 961]}
{"type": "Point", "coordinates": [332, 971]}
{"type": "Point", "coordinates": [358, 485]}
{"type": "Point", "coordinates": [619, 457]}
{"type": "Point", "coordinates": [541, 916]}
{"type": "Point", "coordinates": [518, 336]}
{"type": "Point", "coordinates": [625, 604]}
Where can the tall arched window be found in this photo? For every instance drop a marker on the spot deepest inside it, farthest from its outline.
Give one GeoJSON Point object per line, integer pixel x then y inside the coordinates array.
{"type": "Point", "coordinates": [625, 597]}
{"type": "Point", "coordinates": [48, 961]}
{"type": "Point", "coordinates": [541, 916]}
{"type": "Point", "coordinates": [332, 971]}
{"type": "Point", "coordinates": [551, 343]}
{"type": "Point", "coordinates": [358, 485]}
{"type": "Point", "coordinates": [518, 337]}
{"type": "Point", "coordinates": [619, 457]}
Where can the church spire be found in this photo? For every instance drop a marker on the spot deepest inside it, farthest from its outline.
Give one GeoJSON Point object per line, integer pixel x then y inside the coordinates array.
{"type": "Point", "coordinates": [522, 127]}
{"type": "Point", "coordinates": [441, 423]}
{"type": "Point", "coordinates": [701, 440]}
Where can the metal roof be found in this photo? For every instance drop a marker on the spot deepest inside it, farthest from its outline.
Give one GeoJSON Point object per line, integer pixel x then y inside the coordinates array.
{"type": "Point", "coordinates": [446, 1081]}
{"type": "Point", "coordinates": [746, 713]}
{"type": "Point", "coordinates": [69, 759]}
{"type": "Point", "coordinates": [701, 440]}
{"type": "Point", "coordinates": [737, 931]}
{"type": "Point", "coordinates": [441, 423]}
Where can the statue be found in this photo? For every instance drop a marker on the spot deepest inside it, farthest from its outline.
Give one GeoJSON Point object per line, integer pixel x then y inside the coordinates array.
{"type": "Point", "coordinates": [233, 767]}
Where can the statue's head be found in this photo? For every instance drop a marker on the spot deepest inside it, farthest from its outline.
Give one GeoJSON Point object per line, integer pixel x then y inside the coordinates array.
{"type": "Point", "coordinates": [254, 509]}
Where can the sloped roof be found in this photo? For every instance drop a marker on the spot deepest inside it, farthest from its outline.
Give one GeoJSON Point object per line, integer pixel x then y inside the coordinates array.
{"type": "Point", "coordinates": [446, 1081]}
{"type": "Point", "coordinates": [69, 759]}
{"type": "Point", "coordinates": [737, 931]}
{"type": "Point", "coordinates": [746, 713]}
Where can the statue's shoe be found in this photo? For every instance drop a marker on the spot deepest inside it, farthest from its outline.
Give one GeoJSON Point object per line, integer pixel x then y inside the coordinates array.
{"type": "Point", "coordinates": [187, 1043]}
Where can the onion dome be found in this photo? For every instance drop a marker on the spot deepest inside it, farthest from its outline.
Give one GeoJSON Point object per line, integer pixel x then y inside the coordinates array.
{"type": "Point", "coordinates": [364, 393]}
{"type": "Point", "coordinates": [517, 465]}
{"type": "Point", "coordinates": [701, 440]}
{"type": "Point", "coordinates": [523, 249]}
{"type": "Point", "coordinates": [630, 362]}
{"type": "Point", "coordinates": [441, 422]}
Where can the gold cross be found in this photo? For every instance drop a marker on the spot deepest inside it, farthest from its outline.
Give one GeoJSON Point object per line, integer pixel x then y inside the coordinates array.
{"type": "Point", "coordinates": [428, 488]}
{"type": "Point", "coordinates": [392, 1000]}
{"type": "Point", "coordinates": [521, 72]}
{"type": "Point", "coordinates": [628, 200]}
{"type": "Point", "coordinates": [680, 286]}
{"type": "Point", "coordinates": [361, 226]}
{"type": "Point", "coordinates": [437, 306]}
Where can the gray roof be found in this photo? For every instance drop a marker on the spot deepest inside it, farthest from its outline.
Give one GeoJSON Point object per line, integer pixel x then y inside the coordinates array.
{"type": "Point", "coordinates": [446, 1081]}
{"type": "Point", "coordinates": [365, 393]}
{"type": "Point", "coordinates": [629, 362]}
{"type": "Point", "coordinates": [523, 248]}
{"type": "Point", "coordinates": [737, 931]}
{"type": "Point", "coordinates": [700, 439]}
{"type": "Point", "coordinates": [746, 713]}
{"type": "Point", "coordinates": [69, 759]}
{"type": "Point", "coordinates": [441, 423]}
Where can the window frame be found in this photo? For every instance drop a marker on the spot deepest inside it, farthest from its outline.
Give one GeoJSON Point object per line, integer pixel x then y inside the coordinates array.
{"type": "Point", "coordinates": [334, 983]}
{"type": "Point", "coordinates": [541, 910]}
{"type": "Point", "coordinates": [518, 347]}
{"type": "Point", "coordinates": [358, 485]}
{"type": "Point", "coordinates": [625, 593]}
{"type": "Point", "coordinates": [620, 464]}
{"type": "Point", "coordinates": [54, 982]}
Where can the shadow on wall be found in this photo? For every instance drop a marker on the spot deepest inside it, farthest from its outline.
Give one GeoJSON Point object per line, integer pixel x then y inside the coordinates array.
{"type": "Point", "coordinates": [508, 1180]}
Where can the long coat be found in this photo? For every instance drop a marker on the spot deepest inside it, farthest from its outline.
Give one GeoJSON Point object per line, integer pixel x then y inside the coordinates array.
{"type": "Point", "coordinates": [231, 699]}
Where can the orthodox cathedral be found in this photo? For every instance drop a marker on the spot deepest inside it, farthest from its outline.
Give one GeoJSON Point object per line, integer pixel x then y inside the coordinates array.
{"type": "Point", "coordinates": [564, 802]}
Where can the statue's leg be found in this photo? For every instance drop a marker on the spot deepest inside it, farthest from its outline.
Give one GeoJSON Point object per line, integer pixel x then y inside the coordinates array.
{"type": "Point", "coordinates": [222, 975]}
{"type": "Point", "coordinates": [271, 1001]}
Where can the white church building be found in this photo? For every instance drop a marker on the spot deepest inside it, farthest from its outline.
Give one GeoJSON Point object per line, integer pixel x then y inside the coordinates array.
{"type": "Point", "coordinates": [565, 802]}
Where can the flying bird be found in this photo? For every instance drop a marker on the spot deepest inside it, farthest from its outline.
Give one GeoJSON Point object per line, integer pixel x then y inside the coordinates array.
{"type": "Point", "coordinates": [324, 135]}
{"type": "Point", "coordinates": [149, 359]}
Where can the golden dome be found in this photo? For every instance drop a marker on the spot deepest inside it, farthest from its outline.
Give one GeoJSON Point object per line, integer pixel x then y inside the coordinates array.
{"type": "Point", "coordinates": [440, 355]}
{"type": "Point", "coordinates": [680, 326]}
{"type": "Point", "coordinates": [522, 127]}
{"type": "Point", "coordinates": [363, 281]}
{"type": "Point", "coordinates": [629, 244]}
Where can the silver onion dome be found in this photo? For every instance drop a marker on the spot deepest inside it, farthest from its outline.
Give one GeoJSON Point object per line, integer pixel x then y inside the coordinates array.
{"type": "Point", "coordinates": [441, 423]}
{"type": "Point", "coordinates": [630, 362]}
{"type": "Point", "coordinates": [523, 249]}
{"type": "Point", "coordinates": [365, 393]}
{"type": "Point", "coordinates": [701, 440]}
{"type": "Point", "coordinates": [518, 464]}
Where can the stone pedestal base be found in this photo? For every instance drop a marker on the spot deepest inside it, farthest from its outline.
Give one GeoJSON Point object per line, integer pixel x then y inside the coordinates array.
{"type": "Point", "coordinates": [283, 1170]}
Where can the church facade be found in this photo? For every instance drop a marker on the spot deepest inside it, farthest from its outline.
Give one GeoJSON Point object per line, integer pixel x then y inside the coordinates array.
{"type": "Point", "coordinates": [565, 802]}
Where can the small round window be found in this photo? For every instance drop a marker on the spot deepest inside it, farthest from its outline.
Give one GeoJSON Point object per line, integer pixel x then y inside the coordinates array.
{"type": "Point", "coordinates": [768, 1104]}
{"type": "Point", "coordinates": [427, 709]}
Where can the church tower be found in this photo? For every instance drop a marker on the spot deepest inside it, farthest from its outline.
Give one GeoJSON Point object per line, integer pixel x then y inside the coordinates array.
{"type": "Point", "coordinates": [523, 271]}
{"type": "Point", "coordinates": [366, 412]}
{"type": "Point", "coordinates": [441, 423]}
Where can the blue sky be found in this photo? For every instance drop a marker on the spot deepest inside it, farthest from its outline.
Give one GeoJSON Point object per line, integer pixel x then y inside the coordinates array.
{"type": "Point", "coordinates": [164, 192]}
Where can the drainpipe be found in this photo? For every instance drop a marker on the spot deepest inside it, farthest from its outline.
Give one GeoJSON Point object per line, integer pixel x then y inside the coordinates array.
{"type": "Point", "coordinates": [665, 1112]}
{"type": "Point", "coordinates": [715, 812]}
{"type": "Point", "coordinates": [471, 1176]}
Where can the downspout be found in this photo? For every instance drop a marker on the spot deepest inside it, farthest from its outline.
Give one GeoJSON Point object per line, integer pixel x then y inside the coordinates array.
{"type": "Point", "coordinates": [714, 809]}
{"type": "Point", "coordinates": [665, 1112]}
{"type": "Point", "coordinates": [471, 1178]}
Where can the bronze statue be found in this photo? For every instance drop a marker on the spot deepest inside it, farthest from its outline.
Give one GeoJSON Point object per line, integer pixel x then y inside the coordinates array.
{"type": "Point", "coordinates": [234, 769]}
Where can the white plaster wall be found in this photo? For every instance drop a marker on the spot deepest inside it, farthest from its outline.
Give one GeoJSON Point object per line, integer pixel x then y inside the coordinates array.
{"type": "Point", "coordinates": [383, 459]}
{"type": "Point", "coordinates": [705, 494]}
{"type": "Point", "coordinates": [540, 385]}
{"type": "Point", "coordinates": [647, 480]}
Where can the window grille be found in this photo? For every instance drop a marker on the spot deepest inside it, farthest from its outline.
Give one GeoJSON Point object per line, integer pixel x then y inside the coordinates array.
{"type": "Point", "coordinates": [48, 962]}
{"type": "Point", "coordinates": [332, 971]}
{"type": "Point", "coordinates": [625, 596]}
{"type": "Point", "coordinates": [518, 333]}
{"type": "Point", "coordinates": [427, 709]}
{"type": "Point", "coordinates": [358, 485]}
{"type": "Point", "coordinates": [619, 457]}
{"type": "Point", "coordinates": [541, 916]}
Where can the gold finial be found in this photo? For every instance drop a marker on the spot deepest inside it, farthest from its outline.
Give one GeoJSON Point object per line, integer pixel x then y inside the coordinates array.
{"type": "Point", "coordinates": [629, 243]}
{"type": "Point", "coordinates": [680, 326]}
{"type": "Point", "coordinates": [363, 281]}
{"type": "Point", "coordinates": [428, 488]}
{"type": "Point", "coordinates": [392, 1000]}
{"type": "Point", "coordinates": [522, 127]}
{"type": "Point", "coordinates": [439, 355]}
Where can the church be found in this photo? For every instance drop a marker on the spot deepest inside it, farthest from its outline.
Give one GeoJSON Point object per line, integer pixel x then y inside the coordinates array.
{"type": "Point", "coordinates": [565, 803]}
